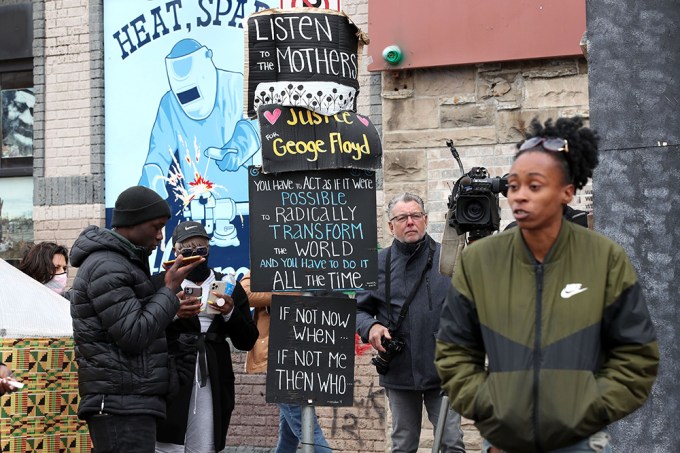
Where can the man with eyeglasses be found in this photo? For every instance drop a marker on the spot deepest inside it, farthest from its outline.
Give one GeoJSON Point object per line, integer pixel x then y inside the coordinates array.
{"type": "Point", "coordinates": [199, 411]}
{"type": "Point", "coordinates": [400, 319]}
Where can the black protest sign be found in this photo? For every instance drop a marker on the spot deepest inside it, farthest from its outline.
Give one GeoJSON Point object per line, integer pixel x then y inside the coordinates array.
{"type": "Point", "coordinates": [311, 351]}
{"type": "Point", "coordinates": [305, 58]}
{"type": "Point", "coordinates": [313, 231]}
{"type": "Point", "coordinates": [294, 138]}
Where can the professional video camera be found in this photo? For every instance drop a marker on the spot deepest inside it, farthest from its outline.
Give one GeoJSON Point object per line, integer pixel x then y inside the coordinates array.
{"type": "Point", "coordinates": [473, 203]}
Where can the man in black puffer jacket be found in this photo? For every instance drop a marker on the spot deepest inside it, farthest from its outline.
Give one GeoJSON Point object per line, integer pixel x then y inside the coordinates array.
{"type": "Point", "coordinates": [119, 322]}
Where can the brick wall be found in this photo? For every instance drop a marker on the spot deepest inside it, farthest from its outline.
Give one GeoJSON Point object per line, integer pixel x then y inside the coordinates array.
{"type": "Point", "coordinates": [69, 134]}
{"type": "Point", "coordinates": [62, 223]}
{"type": "Point", "coordinates": [253, 422]}
{"type": "Point", "coordinates": [67, 94]}
{"type": "Point", "coordinates": [360, 428]}
{"type": "Point", "coordinates": [369, 101]}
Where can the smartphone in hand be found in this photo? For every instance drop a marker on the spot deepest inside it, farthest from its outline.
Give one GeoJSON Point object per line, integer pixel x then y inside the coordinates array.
{"type": "Point", "coordinates": [218, 287]}
{"type": "Point", "coordinates": [194, 291]}
{"type": "Point", "coordinates": [185, 261]}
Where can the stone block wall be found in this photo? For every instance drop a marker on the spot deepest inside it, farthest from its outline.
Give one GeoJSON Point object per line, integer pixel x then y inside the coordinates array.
{"type": "Point", "coordinates": [483, 108]}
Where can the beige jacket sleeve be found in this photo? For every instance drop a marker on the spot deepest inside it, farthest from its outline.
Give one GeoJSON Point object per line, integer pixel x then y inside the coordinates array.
{"type": "Point", "coordinates": [258, 299]}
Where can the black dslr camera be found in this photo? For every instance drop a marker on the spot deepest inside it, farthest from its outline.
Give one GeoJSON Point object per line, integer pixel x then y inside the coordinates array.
{"type": "Point", "coordinates": [392, 348]}
{"type": "Point", "coordinates": [473, 203]}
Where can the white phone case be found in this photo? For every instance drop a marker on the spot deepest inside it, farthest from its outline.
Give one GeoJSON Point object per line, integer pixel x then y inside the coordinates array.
{"type": "Point", "coordinates": [217, 287]}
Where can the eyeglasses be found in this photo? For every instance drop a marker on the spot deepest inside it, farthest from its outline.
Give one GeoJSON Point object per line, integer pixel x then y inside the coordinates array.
{"type": "Point", "coordinates": [555, 144]}
{"type": "Point", "coordinates": [200, 251]}
{"type": "Point", "coordinates": [416, 216]}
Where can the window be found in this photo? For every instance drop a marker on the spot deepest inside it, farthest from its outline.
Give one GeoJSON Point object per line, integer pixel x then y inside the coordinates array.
{"type": "Point", "coordinates": [17, 100]}
{"type": "Point", "coordinates": [16, 217]}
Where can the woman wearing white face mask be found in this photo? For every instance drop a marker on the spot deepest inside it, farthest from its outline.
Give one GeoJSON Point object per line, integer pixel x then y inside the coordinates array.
{"type": "Point", "coordinates": [47, 262]}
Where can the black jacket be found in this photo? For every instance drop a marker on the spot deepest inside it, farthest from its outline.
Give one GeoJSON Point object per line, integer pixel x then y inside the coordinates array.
{"type": "Point", "coordinates": [119, 321]}
{"type": "Point", "coordinates": [183, 336]}
{"type": "Point", "coordinates": [413, 368]}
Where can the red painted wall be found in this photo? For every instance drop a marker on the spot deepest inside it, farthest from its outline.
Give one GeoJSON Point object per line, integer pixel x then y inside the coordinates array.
{"type": "Point", "coordinates": [453, 32]}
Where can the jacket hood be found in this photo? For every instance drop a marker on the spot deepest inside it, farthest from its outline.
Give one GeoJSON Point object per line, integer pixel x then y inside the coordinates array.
{"type": "Point", "coordinates": [94, 239]}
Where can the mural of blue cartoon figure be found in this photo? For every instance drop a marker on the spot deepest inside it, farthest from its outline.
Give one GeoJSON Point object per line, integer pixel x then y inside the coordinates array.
{"type": "Point", "coordinates": [201, 144]}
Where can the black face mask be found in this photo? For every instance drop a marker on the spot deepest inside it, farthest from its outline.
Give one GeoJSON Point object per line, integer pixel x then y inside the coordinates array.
{"type": "Point", "coordinates": [200, 272]}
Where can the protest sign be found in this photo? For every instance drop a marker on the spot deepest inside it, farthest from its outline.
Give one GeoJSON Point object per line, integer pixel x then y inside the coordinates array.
{"type": "Point", "coordinates": [305, 57]}
{"type": "Point", "coordinates": [294, 138]}
{"type": "Point", "coordinates": [311, 351]}
{"type": "Point", "coordinates": [313, 231]}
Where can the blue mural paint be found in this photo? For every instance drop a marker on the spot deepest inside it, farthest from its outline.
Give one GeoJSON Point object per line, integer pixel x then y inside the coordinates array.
{"type": "Point", "coordinates": [174, 90]}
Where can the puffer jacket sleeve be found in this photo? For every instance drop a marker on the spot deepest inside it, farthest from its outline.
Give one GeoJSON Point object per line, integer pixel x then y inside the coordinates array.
{"type": "Point", "coordinates": [132, 324]}
{"type": "Point", "coordinates": [629, 340]}
{"type": "Point", "coordinates": [459, 355]}
{"type": "Point", "coordinates": [241, 327]}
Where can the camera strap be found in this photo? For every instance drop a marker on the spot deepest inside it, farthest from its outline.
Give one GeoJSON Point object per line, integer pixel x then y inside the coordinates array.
{"type": "Point", "coordinates": [412, 294]}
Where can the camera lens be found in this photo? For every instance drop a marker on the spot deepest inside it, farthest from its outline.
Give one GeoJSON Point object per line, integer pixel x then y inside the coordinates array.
{"type": "Point", "coordinates": [381, 366]}
{"type": "Point", "coordinates": [474, 211]}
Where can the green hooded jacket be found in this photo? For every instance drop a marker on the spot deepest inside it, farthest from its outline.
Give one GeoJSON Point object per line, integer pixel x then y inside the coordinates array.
{"type": "Point", "coordinates": [569, 342]}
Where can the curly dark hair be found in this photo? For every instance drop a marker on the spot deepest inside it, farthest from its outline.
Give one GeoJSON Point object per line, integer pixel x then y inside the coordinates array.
{"type": "Point", "coordinates": [578, 164]}
{"type": "Point", "coordinates": [37, 260]}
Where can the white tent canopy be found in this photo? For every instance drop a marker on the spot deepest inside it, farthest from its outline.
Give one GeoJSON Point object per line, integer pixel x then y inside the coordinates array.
{"type": "Point", "coordinates": [28, 309]}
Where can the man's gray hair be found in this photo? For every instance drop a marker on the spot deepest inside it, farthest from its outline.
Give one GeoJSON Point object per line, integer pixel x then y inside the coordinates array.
{"type": "Point", "coordinates": [405, 197]}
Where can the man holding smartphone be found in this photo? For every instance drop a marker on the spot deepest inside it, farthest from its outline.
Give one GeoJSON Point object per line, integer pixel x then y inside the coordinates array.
{"type": "Point", "coordinates": [119, 321]}
{"type": "Point", "coordinates": [200, 410]}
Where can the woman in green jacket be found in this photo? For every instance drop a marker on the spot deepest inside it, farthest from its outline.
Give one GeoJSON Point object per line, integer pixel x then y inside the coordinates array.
{"type": "Point", "coordinates": [555, 308]}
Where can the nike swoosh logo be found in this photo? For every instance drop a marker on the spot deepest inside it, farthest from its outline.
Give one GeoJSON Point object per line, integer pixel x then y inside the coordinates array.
{"type": "Point", "coordinates": [190, 227]}
{"type": "Point", "coordinates": [572, 290]}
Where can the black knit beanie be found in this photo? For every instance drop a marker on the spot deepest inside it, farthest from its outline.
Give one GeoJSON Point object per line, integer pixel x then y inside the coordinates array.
{"type": "Point", "coordinates": [138, 204]}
